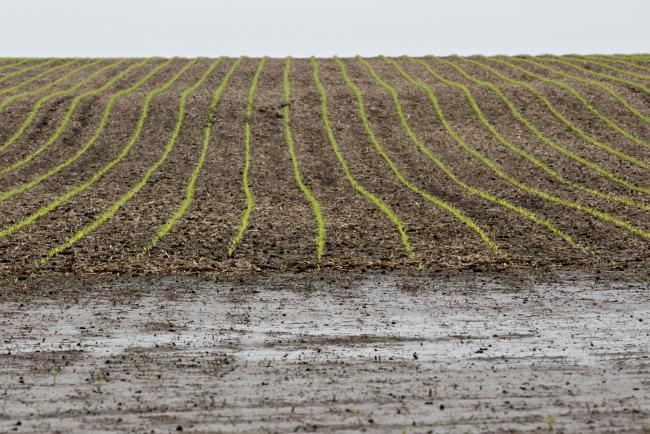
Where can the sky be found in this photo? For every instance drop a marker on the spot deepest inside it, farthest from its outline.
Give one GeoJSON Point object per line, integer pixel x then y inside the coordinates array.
{"type": "Point", "coordinates": [301, 28]}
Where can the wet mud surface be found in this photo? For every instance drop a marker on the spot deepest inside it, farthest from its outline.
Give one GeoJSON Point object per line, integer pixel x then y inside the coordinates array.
{"type": "Point", "coordinates": [448, 352]}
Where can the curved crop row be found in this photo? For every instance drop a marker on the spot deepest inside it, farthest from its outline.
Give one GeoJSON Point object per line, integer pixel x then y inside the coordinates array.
{"type": "Point", "coordinates": [606, 77]}
{"type": "Point", "coordinates": [191, 184]}
{"type": "Point", "coordinates": [625, 61]}
{"type": "Point", "coordinates": [26, 69]}
{"type": "Point", "coordinates": [89, 143]}
{"type": "Point", "coordinates": [68, 117]}
{"type": "Point", "coordinates": [14, 64]}
{"type": "Point", "coordinates": [309, 195]}
{"type": "Point", "coordinates": [47, 86]}
{"type": "Point", "coordinates": [614, 94]}
{"type": "Point", "coordinates": [455, 212]}
{"type": "Point", "coordinates": [577, 95]}
{"type": "Point", "coordinates": [126, 197]}
{"type": "Point", "coordinates": [41, 102]}
{"type": "Point", "coordinates": [528, 124]}
{"type": "Point", "coordinates": [589, 59]}
{"type": "Point", "coordinates": [250, 201]}
{"type": "Point", "coordinates": [574, 128]}
{"type": "Point", "coordinates": [37, 77]}
{"type": "Point", "coordinates": [527, 214]}
{"type": "Point", "coordinates": [79, 188]}
{"type": "Point", "coordinates": [594, 212]}
{"type": "Point", "coordinates": [375, 200]}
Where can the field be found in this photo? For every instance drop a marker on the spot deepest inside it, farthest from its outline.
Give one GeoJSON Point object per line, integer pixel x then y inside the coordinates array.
{"type": "Point", "coordinates": [239, 190]}
{"type": "Point", "coordinates": [233, 165]}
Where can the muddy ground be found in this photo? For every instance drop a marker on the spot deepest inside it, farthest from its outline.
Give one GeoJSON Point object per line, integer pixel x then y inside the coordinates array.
{"type": "Point", "coordinates": [448, 352]}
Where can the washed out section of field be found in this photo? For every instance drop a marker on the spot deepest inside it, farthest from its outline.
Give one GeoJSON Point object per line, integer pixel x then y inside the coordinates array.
{"type": "Point", "coordinates": [446, 352]}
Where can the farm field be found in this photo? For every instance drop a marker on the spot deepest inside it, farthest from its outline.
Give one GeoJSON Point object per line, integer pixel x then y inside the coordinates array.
{"type": "Point", "coordinates": [387, 245]}
{"type": "Point", "coordinates": [236, 165]}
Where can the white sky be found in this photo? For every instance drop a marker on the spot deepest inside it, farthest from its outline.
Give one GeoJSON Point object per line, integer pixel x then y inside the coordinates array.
{"type": "Point", "coordinates": [323, 28]}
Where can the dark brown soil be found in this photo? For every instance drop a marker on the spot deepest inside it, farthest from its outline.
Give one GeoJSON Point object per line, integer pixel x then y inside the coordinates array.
{"type": "Point", "coordinates": [282, 229]}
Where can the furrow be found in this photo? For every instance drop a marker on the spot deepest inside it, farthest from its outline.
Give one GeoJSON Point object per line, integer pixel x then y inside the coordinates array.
{"type": "Point", "coordinates": [385, 209]}
{"type": "Point", "coordinates": [574, 128]}
{"type": "Point", "coordinates": [14, 64]}
{"type": "Point", "coordinates": [90, 142]}
{"type": "Point", "coordinates": [69, 114]}
{"type": "Point", "coordinates": [191, 185]}
{"type": "Point", "coordinates": [250, 200]}
{"type": "Point", "coordinates": [71, 193]}
{"type": "Point", "coordinates": [130, 194]}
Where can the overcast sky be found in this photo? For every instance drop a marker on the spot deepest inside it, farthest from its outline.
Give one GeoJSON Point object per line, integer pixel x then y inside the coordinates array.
{"type": "Point", "coordinates": [323, 28]}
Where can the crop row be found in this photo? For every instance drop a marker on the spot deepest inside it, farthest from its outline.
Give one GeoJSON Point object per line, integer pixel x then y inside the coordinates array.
{"type": "Point", "coordinates": [424, 148]}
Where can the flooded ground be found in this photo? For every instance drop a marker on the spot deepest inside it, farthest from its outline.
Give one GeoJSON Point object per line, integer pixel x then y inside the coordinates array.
{"type": "Point", "coordinates": [437, 353]}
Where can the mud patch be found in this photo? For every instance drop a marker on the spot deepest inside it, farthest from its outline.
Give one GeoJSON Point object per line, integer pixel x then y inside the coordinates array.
{"type": "Point", "coordinates": [446, 352]}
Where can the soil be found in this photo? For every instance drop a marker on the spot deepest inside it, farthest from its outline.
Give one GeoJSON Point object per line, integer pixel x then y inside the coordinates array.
{"type": "Point", "coordinates": [456, 340]}
{"type": "Point", "coordinates": [448, 352]}
{"type": "Point", "coordinates": [281, 233]}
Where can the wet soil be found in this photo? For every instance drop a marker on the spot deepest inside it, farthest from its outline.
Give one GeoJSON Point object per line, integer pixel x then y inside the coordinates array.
{"type": "Point", "coordinates": [448, 352]}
